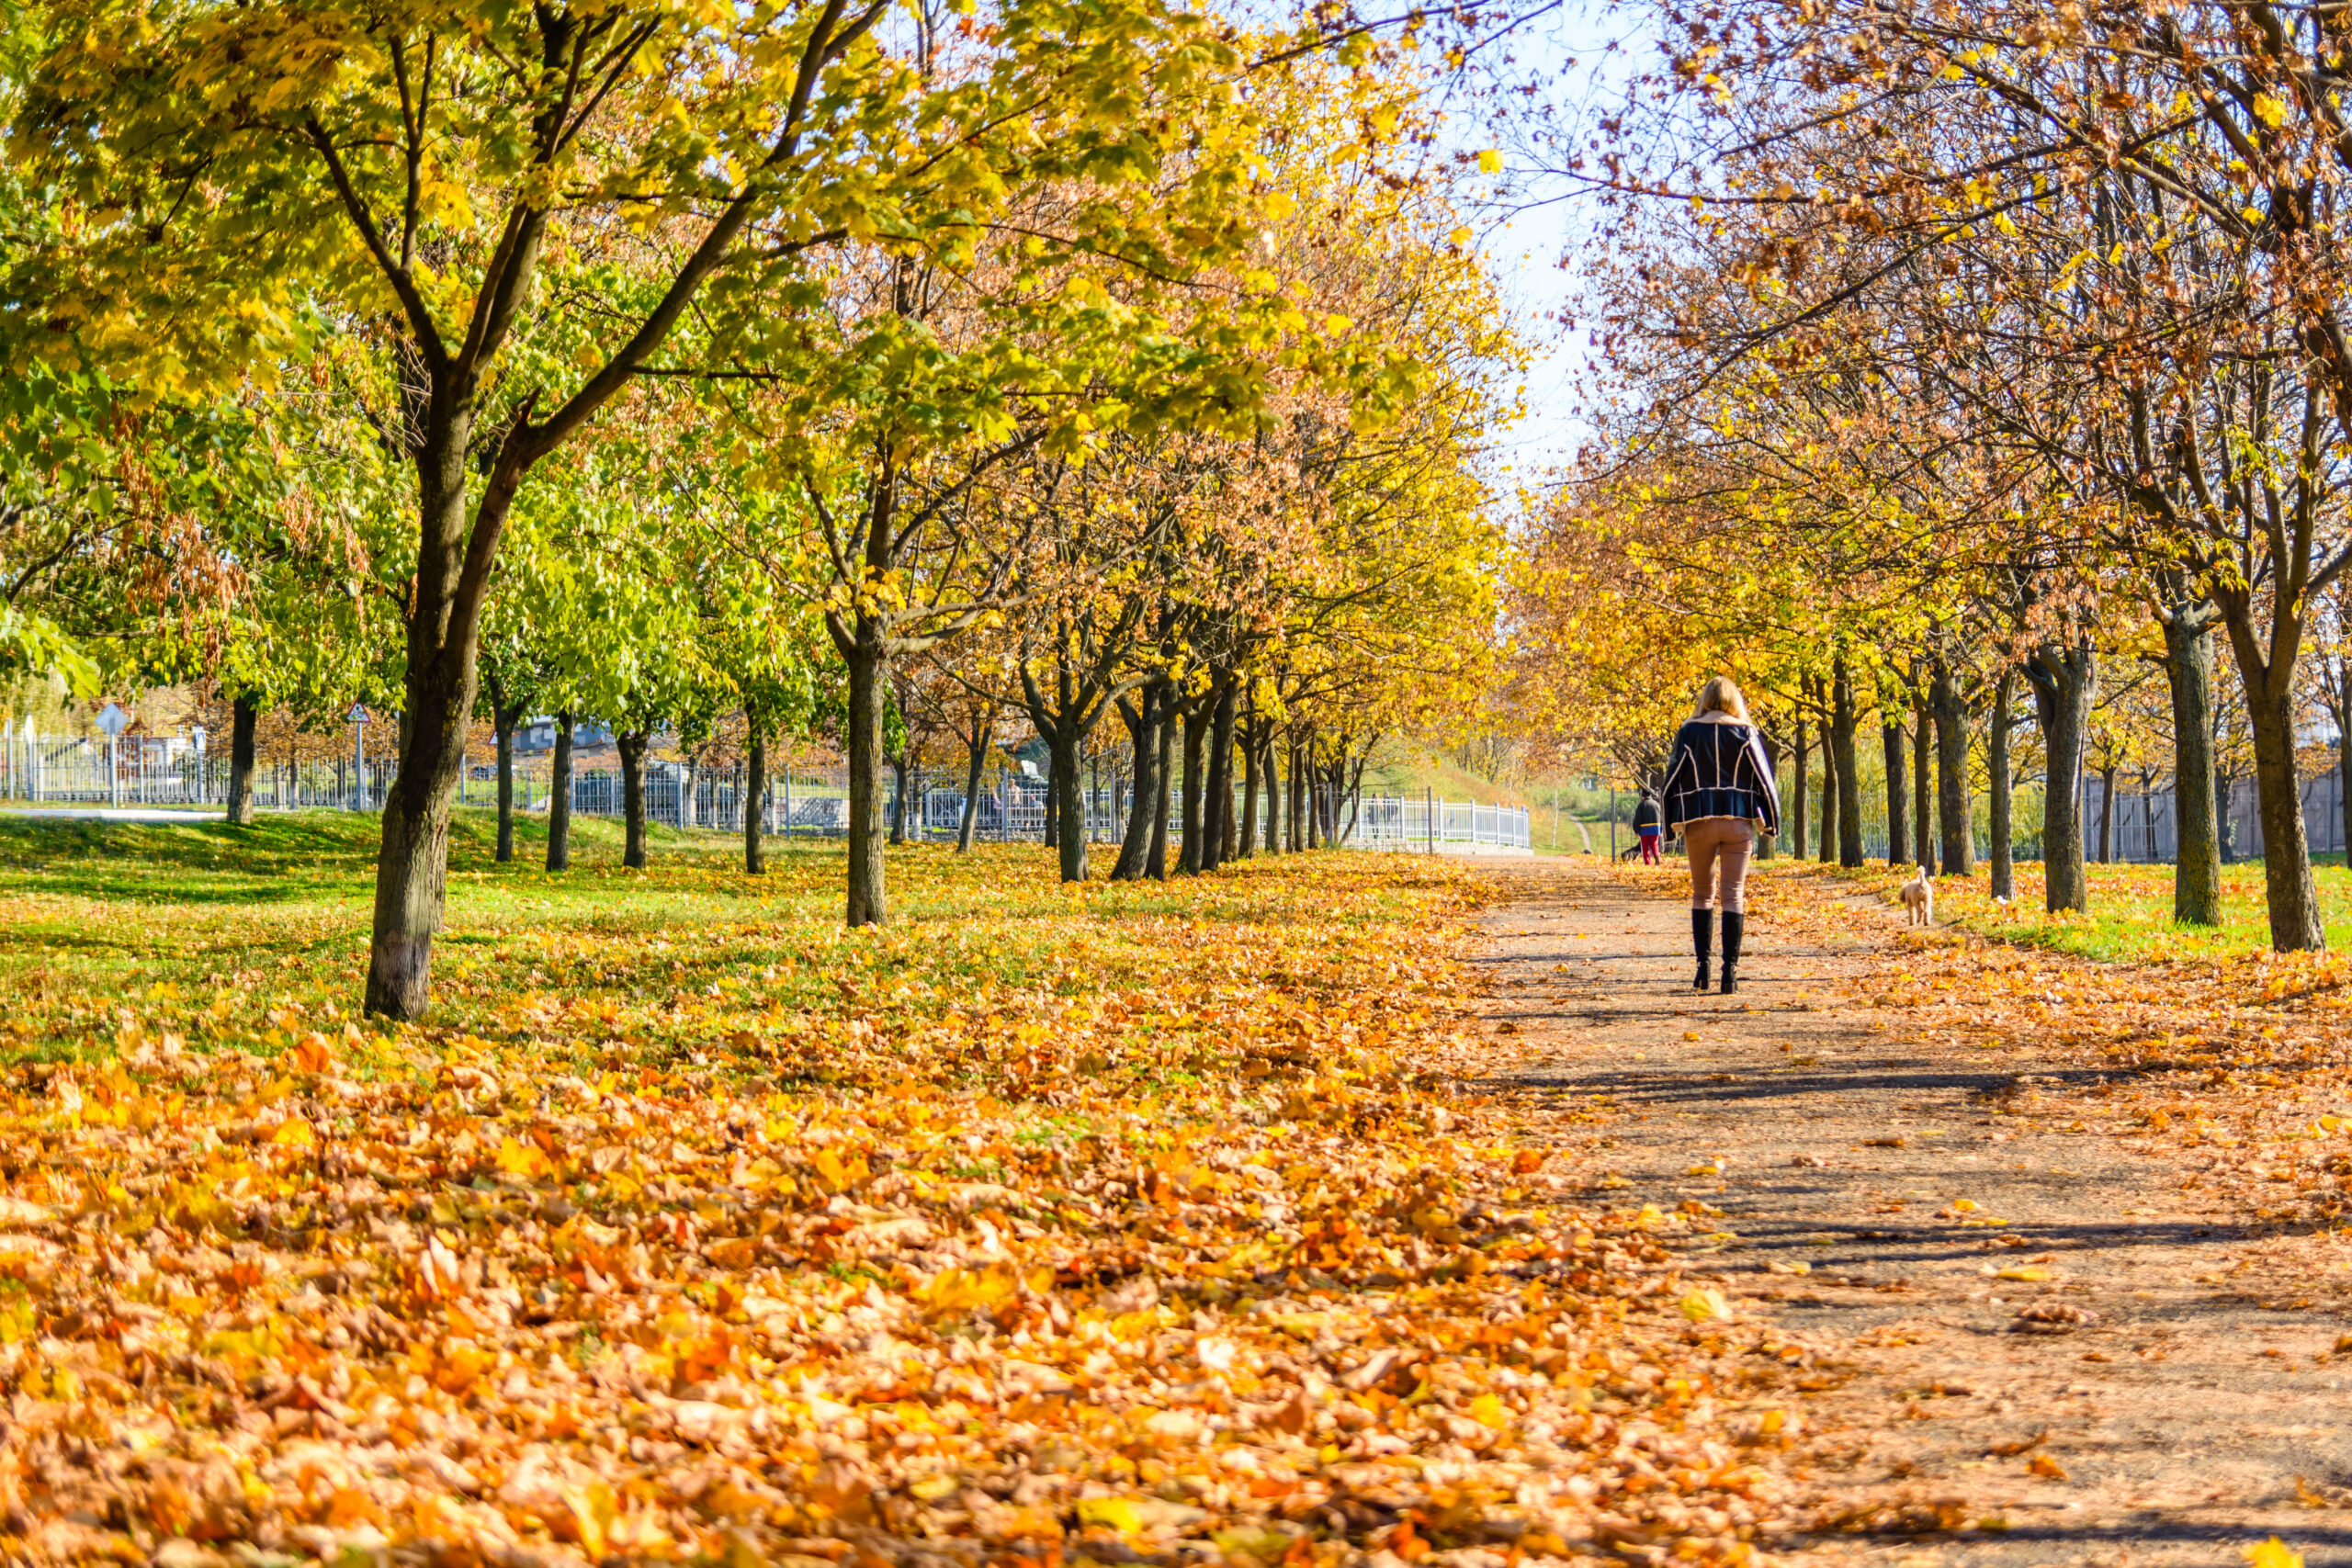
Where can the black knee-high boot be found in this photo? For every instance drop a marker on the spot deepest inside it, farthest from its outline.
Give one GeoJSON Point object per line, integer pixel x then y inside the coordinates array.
{"type": "Point", "coordinates": [1702, 936]}
{"type": "Point", "coordinates": [1735, 926]}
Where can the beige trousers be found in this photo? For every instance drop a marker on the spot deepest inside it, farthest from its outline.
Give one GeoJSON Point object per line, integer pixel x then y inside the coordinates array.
{"type": "Point", "coordinates": [1725, 842]}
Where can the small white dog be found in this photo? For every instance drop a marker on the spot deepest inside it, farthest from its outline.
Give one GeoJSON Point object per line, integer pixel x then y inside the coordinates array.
{"type": "Point", "coordinates": [1919, 900]}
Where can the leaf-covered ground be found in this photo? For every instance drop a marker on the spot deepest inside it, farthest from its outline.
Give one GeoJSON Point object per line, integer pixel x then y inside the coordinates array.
{"type": "Point", "coordinates": [1110, 1223]}
{"type": "Point", "coordinates": [2067, 1238]}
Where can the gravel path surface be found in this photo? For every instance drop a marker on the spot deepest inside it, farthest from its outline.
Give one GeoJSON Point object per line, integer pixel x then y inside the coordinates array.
{"type": "Point", "coordinates": [2116, 1376]}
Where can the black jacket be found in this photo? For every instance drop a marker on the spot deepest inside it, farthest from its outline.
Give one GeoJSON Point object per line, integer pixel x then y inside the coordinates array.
{"type": "Point", "coordinates": [1646, 814]}
{"type": "Point", "coordinates": [1720, 770]}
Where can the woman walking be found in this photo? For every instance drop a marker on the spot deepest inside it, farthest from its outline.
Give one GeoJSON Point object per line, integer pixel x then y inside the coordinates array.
{"type": "Point", "coordinates": [1719, 793]}
{"type": "Point", "coordinates": [1645, 826]}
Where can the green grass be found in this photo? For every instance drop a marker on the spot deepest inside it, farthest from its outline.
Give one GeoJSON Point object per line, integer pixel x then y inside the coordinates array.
{"type": "Point", "coordinates": [245, 936]}
{"type": "Point", "coordinates": [2130, 914]}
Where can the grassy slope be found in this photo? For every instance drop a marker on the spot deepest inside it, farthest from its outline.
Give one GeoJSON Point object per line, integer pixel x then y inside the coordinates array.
{"type": "Point", "coordinates": [1403, 771]}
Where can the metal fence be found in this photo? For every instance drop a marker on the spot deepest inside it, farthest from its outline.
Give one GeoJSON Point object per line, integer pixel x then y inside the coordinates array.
{"type": "Point", "coordinates": [1436, 826]}
{"type": "Point", "coordinates": [2145, 828]}
{"type": "Point", "coordinates": [801, 801]}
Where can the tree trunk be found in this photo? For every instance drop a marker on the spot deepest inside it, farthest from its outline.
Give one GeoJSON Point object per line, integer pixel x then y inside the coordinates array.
{"type": "Point", "coordinates": [1271, 767]}
{"type": "Point", "coordinates": [1850, 784]}
{"type": "Point", "coordinates": [1310, 776]}
{"type": "Point", "coordinates": [756, 798]}
{"type": "Point", "coordinates": [1196, 726]}
{"type": "Point", "coordinates": [2343, 771]}
{"type": "Point", "coordinates": [868, 904]}
{"type": "Point", "coordinates": [244, 718]}
{"type": "Point", "coordinates": [559, 796]}
{"type": "Point", "coordinates": [1156, 864]}
{"type": "Point", "coordinates": [2107, 814]}
{"type": "Point", "coordinates": [504, 718]}
{"type": "Point", "coordinates": [1923, 812]}
{"type": "Point", "coordinates": [2188, 671]}
{"type": "Point", "coordinates": [2064, 679]}
{"type": "Point", "coordinates": [632, 750]}
{"type": "Point", "coordinates": [1143, 721]}
{"type": "Point", "coordinates": [1825, 809]}
{"type": "Point", "coordinates": [1898, 825]}
{"type": "Point", "coordinates": [1952, 774]}
{"type": "Point", "coordinates": [1065, 747]}
{"type": "Point", "coordinates": [1801, 761]}
{"type": "Point", "coordinates": [1250, 750]}
{"type": "Point", "coordinates": [1217, 815]}
{"type": "Point", "coordinates": [969, 825]}
{"type": "Point", "coordinates": [2001, 809]}
{"type": "Point", "coordinates": [898, 803]}
{"type": "Point", "coordinates": [2295, 924]}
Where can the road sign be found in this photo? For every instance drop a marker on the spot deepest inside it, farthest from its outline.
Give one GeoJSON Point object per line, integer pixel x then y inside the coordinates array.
{"type": "Point", "coordinates": [113, 720]}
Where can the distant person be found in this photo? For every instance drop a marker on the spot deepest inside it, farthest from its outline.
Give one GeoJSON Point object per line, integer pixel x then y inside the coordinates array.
{"type": "Point", "coordinates": [1719, 793]}
{"type": "Point", "coordinates": [1648, 825]}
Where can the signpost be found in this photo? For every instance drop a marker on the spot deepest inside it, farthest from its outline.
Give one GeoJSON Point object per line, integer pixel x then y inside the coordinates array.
{"type": "Point", "coordinates": [113, 721]}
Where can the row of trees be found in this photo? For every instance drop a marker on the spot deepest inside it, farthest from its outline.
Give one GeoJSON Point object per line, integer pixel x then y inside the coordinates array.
{"type": "Point", "coordinates": [824, 365]}
{"type": "Point", "coordinates": [1965, 362]}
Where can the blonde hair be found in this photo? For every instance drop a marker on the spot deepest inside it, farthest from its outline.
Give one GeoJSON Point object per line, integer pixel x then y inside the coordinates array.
{"type": "Point", "coordinates": [1719, 696]}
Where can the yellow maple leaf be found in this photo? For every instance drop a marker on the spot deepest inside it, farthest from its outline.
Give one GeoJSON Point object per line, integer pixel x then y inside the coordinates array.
{"type": "Point", "coordinates": [2272, 1553]}
{"type": "Point", "coordinates": [1114, 1513]}
{"type": "Point", "coordinates": [1706, 1306]}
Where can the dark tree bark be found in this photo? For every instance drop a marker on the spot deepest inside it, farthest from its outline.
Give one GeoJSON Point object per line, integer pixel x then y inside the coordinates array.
{"type": "Point", "coordinates": [2065, 679]}
{"type": "Point", "coordinates": [1196, 727]}
{"type": "Point", "coordinates": [2001, 809]}
{"type": "Point", "coordinates": [1156, 864]}
{"type": "Point", "coordinates": [868, 897]}
{"type": "Point", "coordinates": [559, 796]}
{"type": "Point", "coordinates": [1850, 787]}
{"type": "Point", "coordinates": [1801, 761]}
{"type": "Point", "coordinates": [1825, 808]}
{"type": "Point", "coordinates": [2266, 672]}
{"type": "Point", "coordinates": [1067, 815]}
{"type": "Point", "coordinates": [1923, 809]}
{"type": "Point", "coordinates": [1251, 752]}
{"type": "Point", "coordinates": [1216, 816]}
{"type": "Point", "coordinates": [2286, 851]}
{"type": "Point", "coordinates": [755, 797]}
{"type": "Point", "coordinates": [1952, 774]}
{"type": "Point", "coordinates": [244, 718]}
{"type": "Point", "coordinates": [1143, 718]}
{"type": "Point", "coordinates": [632, 750]}
{"type": "Point", "coordinates": [2341, 700]}
{"type": "Point", "coordinates": [1898, 824]}
{"type": "Point", "coordinates": [505, 717]}
{"type": "Point", "coordinates": [898, 768]}
{"type": "Point", "coordinates": [1273, 795]}
{"type": "Point", "coordinates": [977, 749]}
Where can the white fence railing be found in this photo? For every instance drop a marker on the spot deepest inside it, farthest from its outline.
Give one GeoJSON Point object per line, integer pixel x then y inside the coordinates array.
{"type": "Point", "coordinates": [1440, 827]}
{"type": "Point", "coordinates": [152, 771]}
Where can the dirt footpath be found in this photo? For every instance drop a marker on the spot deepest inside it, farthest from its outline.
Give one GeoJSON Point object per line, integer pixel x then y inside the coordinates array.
{"type": "Point", "coordinates": [2032, 1348]}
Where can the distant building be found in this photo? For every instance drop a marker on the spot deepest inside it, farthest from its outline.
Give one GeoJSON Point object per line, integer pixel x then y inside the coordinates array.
{"type": "Point", "coordinates": [538, 734]}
